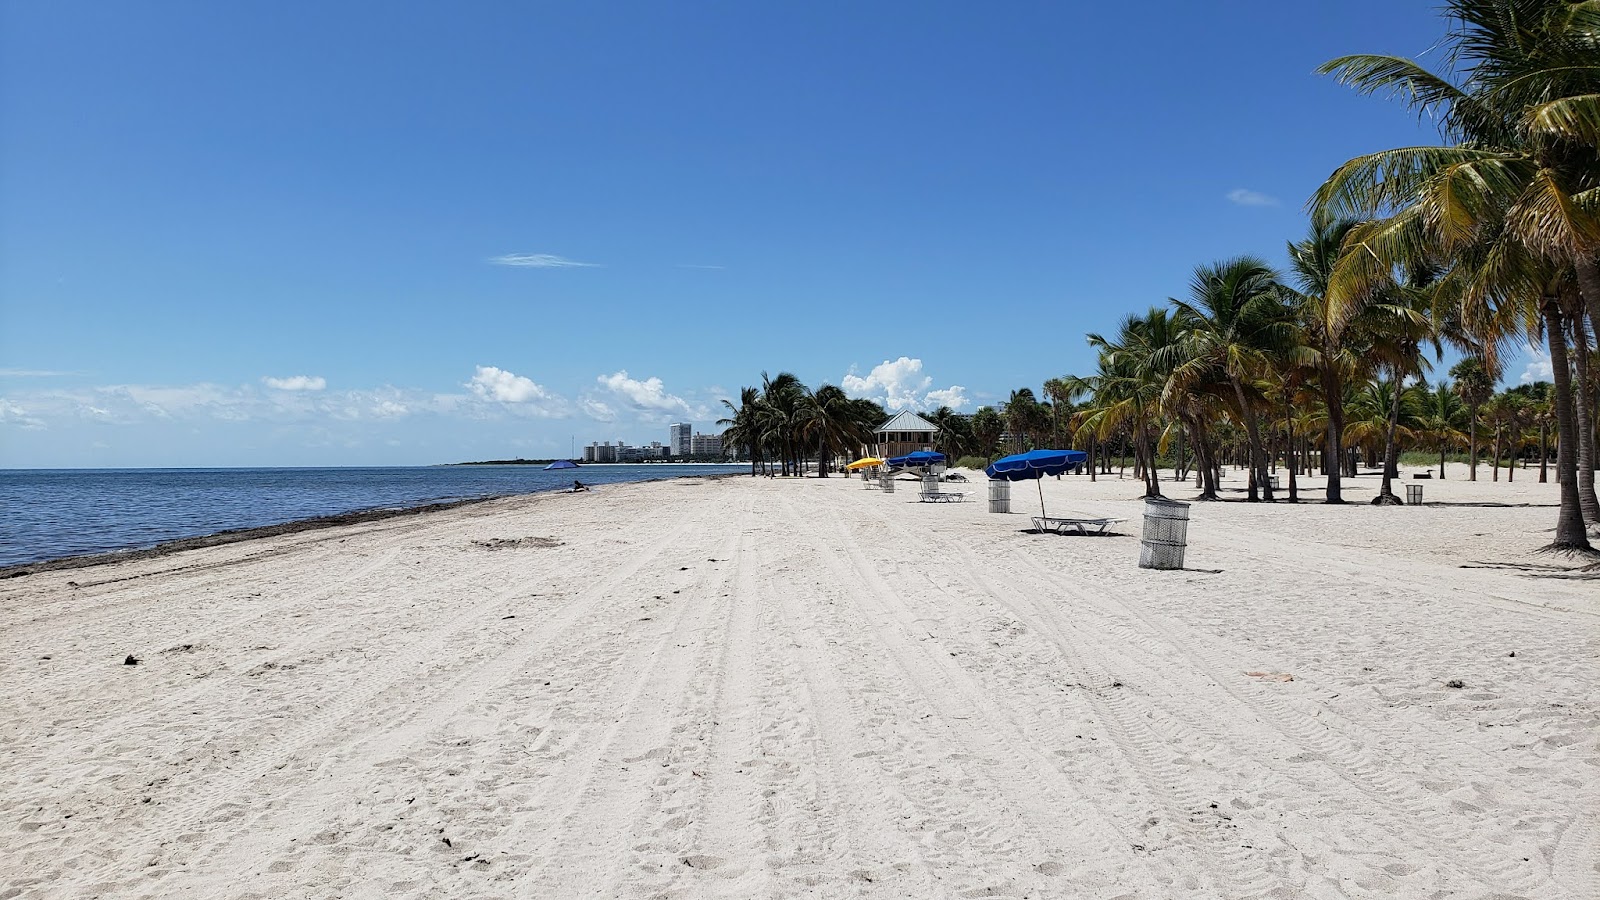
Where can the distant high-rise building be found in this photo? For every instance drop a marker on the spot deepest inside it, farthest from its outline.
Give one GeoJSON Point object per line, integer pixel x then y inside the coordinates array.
{"type": "Point", "coordinates": [679, 436]}
{"type": "Point", "coordinates": [706, 445]}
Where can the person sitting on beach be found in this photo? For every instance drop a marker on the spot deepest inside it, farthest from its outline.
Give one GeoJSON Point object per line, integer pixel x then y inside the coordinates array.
{"type": "Point", "coordinates": [578, 486]}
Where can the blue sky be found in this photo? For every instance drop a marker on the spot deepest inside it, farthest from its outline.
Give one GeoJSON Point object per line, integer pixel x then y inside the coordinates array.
{"type": "Point", "coordinates": [393, 233]}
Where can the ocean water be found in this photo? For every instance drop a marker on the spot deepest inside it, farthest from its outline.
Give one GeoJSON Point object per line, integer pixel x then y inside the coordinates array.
{"type": "Point", "coordinates": [49, 513]}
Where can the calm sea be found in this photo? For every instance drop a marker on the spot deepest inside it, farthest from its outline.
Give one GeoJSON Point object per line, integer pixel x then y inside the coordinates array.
{"type": "Point", "coordinates": [48, 513]}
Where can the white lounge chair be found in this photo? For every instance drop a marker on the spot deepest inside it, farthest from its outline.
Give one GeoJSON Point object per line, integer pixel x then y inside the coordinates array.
{"type": "Point", "coordinates": [1073, 525]}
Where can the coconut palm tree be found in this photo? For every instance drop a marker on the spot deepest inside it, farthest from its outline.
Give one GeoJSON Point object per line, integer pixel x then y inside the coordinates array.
{"type": "Point", "coordinates": [1443, 415]}
{"type": "Point", "coordinates": [834, 423]}
{"type": "Point", "coordinates": [1127, 390]}
{"type": "Point", "coordinates": [1474, 385]}
{"type": "Point", "coordinates": [779, 417]}
{"type": "Point", "coordinates": [1324, 321]}
{"type": "Point", "coordinates": [1541, 415]}
{"type": "Point", "coordinates": [1519, 175]}
{"type": "Point", "coordinates": [987, 426]}
{"type": "Point", "coordinates": [1023, 417]}
{"type": "Point", "coordinates": [1234, 320]}
{"type": "Point", "coordinates": [740, 427]}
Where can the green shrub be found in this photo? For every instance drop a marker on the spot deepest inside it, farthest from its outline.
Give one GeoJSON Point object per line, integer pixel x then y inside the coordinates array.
{"type": "Point", "coordinates": [971, 462]}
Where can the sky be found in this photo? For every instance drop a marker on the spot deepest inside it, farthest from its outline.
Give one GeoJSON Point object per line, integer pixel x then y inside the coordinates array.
{"type": "Point", "coordinates": [362, 233]}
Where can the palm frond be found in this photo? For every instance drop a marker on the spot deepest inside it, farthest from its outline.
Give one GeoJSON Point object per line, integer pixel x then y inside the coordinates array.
{"type": "Point", "coordinates": [1574, 118]}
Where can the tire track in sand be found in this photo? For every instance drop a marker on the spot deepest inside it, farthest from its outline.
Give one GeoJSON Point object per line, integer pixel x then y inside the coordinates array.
{"type": "Point", "coordinates": [215, 792]}
{"type": "Point", "coordinates": [983, 724]}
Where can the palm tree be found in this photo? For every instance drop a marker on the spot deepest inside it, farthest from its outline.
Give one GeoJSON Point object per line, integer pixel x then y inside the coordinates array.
{"type": "Point", "coordinates": [1474, 385]}
{"type": "Point", "coordinates": [1061, 394]}
{"type": "Point", "coordinates": [779, 416]}
{"type": "Point", "coordinates": [1518, 178]}
{"type": "Point", "coordinates": [740, 427]}
{"type": "Point", "coordinates": [1022, 419]}
{"type": "Point", "coordinates": [954, 437]}
{"type": "Point", "coordinates": [828, 417]}
{"type": "Point", "coordinates": [1324, 320]}
{"type": "Point", "coordinates": [1541, 415]}
{"type": "Point", "coordinates": [1443, 414]}
{"type": "Point", "coordinates": [1234, 320]}
{"type": "Point", "coordinates": [1134, 369]}
{"type": "Point", "coordinates": [987, 426]}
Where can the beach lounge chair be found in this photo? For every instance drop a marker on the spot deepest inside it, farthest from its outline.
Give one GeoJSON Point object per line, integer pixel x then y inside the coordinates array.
{"type": "Point", "coordinates": [943, 496]}
{"type": "Point", "coordinates": [1073, 525]}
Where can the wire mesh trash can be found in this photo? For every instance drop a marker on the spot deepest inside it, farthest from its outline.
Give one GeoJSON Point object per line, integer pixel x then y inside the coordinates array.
{"type": "Point", "coordinates": [886, 482]}
{"type": "Point", "coordinates": [1166, 533]}
{"type": "Point", "coordinates": [999, 496]}
{"type": "Point", "coordinates": [1414, 494]}
{"type": "Point", "coordinates": [1273, 480]}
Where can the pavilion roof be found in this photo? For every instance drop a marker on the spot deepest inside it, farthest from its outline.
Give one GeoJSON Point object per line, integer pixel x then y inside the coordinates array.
{"type": "Point", "coordinates": [906, 420]}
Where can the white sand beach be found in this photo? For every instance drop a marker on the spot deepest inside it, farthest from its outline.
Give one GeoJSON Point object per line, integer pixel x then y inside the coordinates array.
{"type": "Point", "coordinates": [751, 688]}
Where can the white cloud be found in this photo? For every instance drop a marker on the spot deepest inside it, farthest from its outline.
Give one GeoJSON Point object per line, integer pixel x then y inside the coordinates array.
{"type": "Point", "coordinates": [496, 384]}
{"type": "Point", "coordinates": [296, 383]}
{"type": "Point", "coordinates": [954, 396]}
{"type": "Point", "coordinates": [12, 414]}
{"type": "Point", "coordinates": [598, 410]}
{"type": "Point", "coordinates": [1538, 368]}
{"type": "Point", "coordinates": [1247, 197]}
{"type": "Point", "coordinates": [540, 261]}
{"type": "Point", "coordinates": [494, 395]}
{"type": "Point", "coordinates": [900, 384]}
{"type": "Point", "coordinates": [33, 373]}
{"type": "Point", "coordinates": [648, 395]}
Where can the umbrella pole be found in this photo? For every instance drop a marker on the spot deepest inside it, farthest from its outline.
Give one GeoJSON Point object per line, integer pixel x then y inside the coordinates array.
{"type": "Point", "coordinates": [1040, 482]}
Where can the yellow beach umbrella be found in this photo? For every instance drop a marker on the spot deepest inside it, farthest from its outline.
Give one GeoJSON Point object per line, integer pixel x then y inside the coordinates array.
{"type": "Point", "coordinates": [863, 462]}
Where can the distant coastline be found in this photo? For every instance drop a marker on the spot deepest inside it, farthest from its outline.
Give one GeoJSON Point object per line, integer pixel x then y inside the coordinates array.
{"type": "Point", "coordinates": [587, 465]}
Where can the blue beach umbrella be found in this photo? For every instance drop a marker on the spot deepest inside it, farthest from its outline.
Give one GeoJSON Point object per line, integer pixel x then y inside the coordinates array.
{"type": "Point", "coordinates": [919, 458]}
{"type": "Point", "coordinates": [1035, 464]}
{"type": "Point", "coordinates": [561, 464]}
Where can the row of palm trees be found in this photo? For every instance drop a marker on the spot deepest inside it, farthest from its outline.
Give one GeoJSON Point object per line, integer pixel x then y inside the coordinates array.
{"type": "Point", "coordinates": [1502, 223]}
{"type": "Point", "coordinates": [1488, 241]}
{"type": "Point", "coordinates": [782, 423]}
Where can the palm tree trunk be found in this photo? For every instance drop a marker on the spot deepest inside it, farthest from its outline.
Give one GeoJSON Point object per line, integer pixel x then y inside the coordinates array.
{"type": "Point", "coordinates": [1570, 534]}
{"type": "Point", "coordinates": [1205, 470]}
{"type": "Point", "coordinates": [1332, 452]}
{"type": "Point", "coordinates": [1258, 462]}
{"type": "Point", "coordinates": [1141, 450]}
{"type": "Point", "coordinates": [1472, 442]}
{"type": "Point", "coordinates": [1496, 452]}
{"type": "Point", "coordinates": [1391, 448]}
{"type": "Point", "coordinates": [1544, 450]}
{"type": "Point", "coordinates": [1288, 446]}
{"type": "Point", "coordinates": [1583, 399]}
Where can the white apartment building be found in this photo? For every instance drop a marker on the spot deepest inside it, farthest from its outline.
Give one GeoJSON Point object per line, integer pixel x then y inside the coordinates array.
{"type": "Point", "coordinates": [680, 438]}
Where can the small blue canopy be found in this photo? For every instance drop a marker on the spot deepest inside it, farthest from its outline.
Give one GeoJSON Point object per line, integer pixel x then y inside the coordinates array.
{"type": "Point", "coordinates": [919, 458]}
{"type": "Point", "coordinates": [561, 464]}
{"type": "Point", "coordinates": [1035, 464]}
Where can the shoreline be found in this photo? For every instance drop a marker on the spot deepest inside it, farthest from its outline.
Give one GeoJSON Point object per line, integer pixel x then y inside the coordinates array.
{"type": "Point", "coordinates": [237, 535]}
{"type": "Point", "coordinates": [276, 529]}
